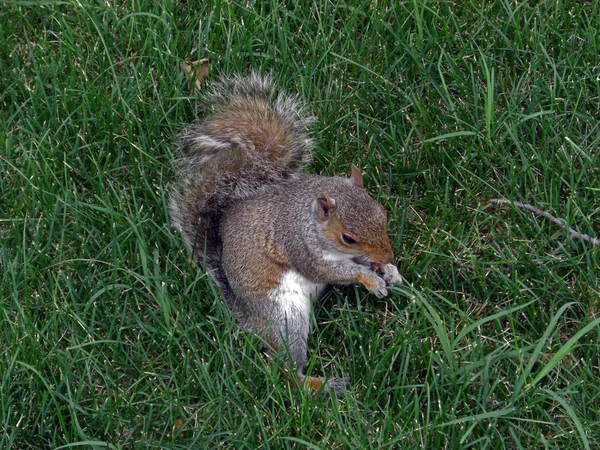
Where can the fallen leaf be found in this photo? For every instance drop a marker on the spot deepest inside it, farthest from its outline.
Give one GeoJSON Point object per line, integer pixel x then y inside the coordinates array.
{"type": "Point", "coordinates": [197, 72]}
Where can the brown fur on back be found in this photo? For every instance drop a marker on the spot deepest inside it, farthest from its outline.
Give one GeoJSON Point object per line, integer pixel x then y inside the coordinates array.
{"type": "Point", "coordinates": [253, 139]}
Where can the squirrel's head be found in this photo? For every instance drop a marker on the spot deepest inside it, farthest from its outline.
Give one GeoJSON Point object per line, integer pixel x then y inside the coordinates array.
{"type": "Point", "coordinates": [353, 223]}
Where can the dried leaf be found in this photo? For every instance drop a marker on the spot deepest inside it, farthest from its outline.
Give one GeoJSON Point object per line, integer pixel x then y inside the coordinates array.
{"type": "Point", "coordinates": [178, 424]}
{"type": "Point", "coordinates": [197, 72]}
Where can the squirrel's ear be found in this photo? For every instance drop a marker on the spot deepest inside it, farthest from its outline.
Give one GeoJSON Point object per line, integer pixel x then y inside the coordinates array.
{"type": "Point", "coordinates": [325, 206]}
{"type": "Point", "coordinates": [356, 177]}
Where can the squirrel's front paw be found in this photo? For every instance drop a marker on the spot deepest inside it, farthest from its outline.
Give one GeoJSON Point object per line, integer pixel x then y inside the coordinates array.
{"type": "Point", "coordinates": [390, 274]}
{"type": "Point", "coordinates": [372, 282]}
{"type": "Point", "coordinates": [378, 287]}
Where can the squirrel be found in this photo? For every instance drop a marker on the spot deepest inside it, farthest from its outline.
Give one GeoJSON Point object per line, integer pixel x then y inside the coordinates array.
{"type": "Point", "coordinates": [271, 236]}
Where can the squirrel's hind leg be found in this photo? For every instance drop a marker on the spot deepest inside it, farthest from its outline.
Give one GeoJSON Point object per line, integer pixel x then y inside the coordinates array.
{"type": "Point", "coordinates": [290, 340]}
{"type": "Point", "coordinates": [288, 328]}
{"type": "Point", "coordinates": [291, 299]}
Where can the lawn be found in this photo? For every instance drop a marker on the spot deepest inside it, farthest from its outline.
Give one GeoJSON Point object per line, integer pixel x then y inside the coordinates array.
{"type": "Point", "coordinates": [110, 338]}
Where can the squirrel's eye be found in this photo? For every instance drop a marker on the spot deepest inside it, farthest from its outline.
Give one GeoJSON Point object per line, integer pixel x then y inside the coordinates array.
{"type": "Point", "coordinates": [348, 240]}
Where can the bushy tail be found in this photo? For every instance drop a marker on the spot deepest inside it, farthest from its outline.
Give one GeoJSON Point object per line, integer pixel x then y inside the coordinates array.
{"type": "Point", "coordinates": [251, 138]}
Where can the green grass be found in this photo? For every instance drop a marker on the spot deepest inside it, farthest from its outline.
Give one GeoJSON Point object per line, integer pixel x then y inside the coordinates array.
{"type": "Point", "coordinates": [109, 338]}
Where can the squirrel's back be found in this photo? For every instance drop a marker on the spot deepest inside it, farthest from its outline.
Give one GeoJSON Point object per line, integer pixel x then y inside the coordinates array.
{"type": "Point", "coordinates": [250, 139]}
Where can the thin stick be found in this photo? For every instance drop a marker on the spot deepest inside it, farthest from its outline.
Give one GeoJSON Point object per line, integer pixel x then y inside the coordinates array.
{"type": "Point", "coordinates": [572, 233]}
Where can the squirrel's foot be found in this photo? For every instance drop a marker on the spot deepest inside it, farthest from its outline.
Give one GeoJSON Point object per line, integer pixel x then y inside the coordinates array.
{"type": "Point", "coordinates": [390, 274]}
{"type": "Point", "coordinates": [335, 386]}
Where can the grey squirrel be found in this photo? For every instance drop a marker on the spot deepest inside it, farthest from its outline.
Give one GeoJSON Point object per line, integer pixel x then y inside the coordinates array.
{"type": "Point", "coordinates": [271, 236]}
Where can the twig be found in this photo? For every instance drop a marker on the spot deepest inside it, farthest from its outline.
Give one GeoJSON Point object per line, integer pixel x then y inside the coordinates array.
{"type": "Point", "coordinates": [572, 233]}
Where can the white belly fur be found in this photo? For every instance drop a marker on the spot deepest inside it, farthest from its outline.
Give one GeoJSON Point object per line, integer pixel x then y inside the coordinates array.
{"type": "Point", "coordinates": [294, 292]}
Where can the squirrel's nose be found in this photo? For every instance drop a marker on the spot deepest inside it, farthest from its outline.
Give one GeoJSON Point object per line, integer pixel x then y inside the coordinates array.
{"type": "Point", "coordinates": [388, 257]}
